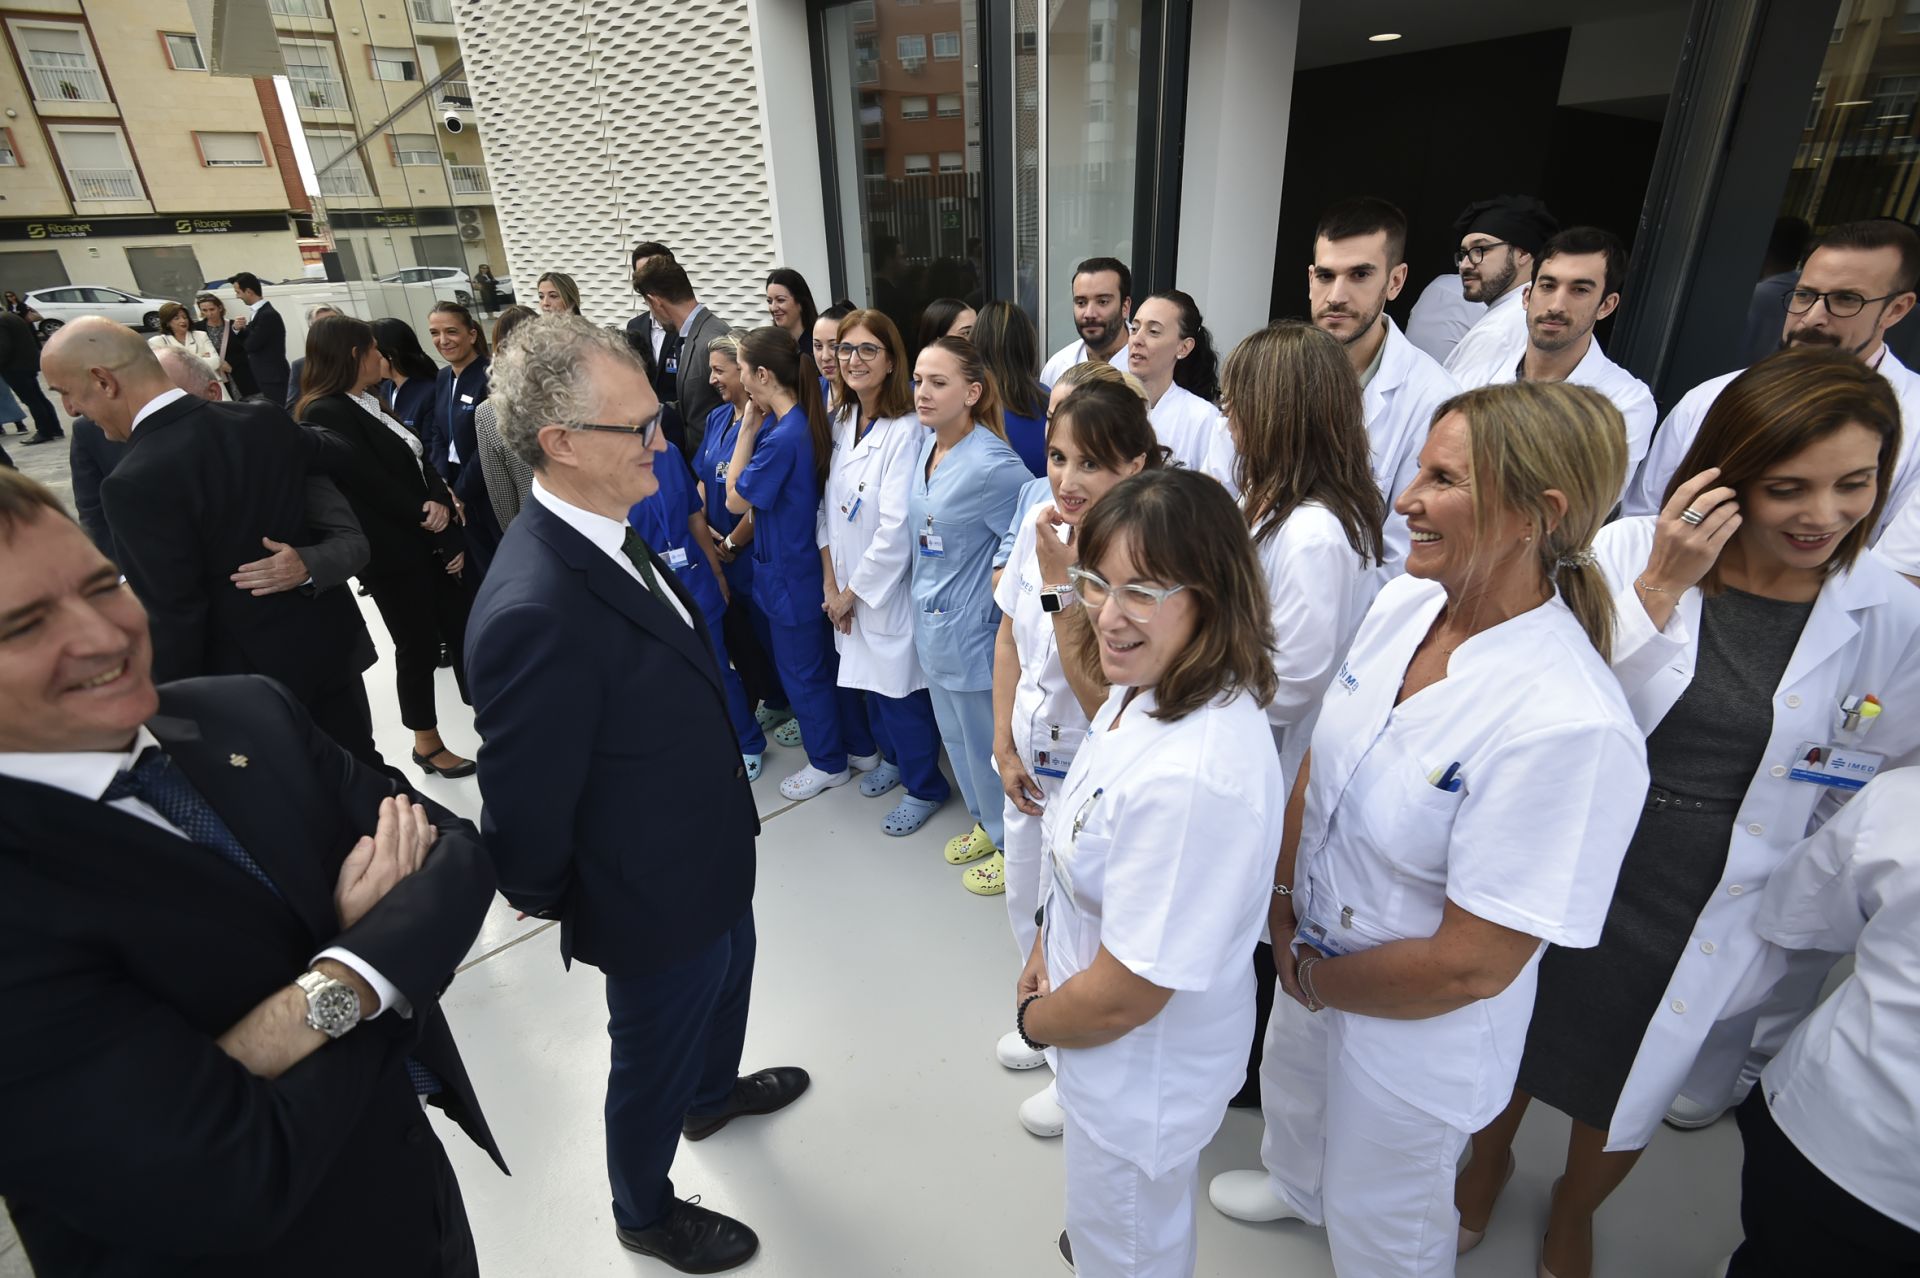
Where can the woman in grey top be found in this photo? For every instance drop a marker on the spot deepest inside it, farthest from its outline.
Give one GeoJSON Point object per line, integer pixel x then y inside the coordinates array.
{"type": "Point", "coordinates": [509, 479]}
{"type": "Point", "coordinates": [1754, 630]}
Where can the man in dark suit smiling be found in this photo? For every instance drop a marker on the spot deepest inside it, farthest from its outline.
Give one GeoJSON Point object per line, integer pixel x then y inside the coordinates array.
{"type": "Point", "coordinates": [616, 801]}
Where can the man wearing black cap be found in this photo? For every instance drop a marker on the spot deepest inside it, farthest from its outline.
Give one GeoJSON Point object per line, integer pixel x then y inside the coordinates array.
{"type": "Point", "coordinates": [1498, 241]}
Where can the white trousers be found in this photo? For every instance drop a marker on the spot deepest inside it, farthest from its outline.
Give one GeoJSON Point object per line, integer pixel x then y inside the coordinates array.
{"type": "Point", "coordinates": [1345, 1152]}
{"type": "Point", "coordinates": [1123, 1223]}
{"type": "Point", "coordinates": [1021, 847]}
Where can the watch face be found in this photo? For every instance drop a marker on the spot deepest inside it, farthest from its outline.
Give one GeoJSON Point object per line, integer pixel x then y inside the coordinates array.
{"type": "Point", "coordinates": [335, 1008]}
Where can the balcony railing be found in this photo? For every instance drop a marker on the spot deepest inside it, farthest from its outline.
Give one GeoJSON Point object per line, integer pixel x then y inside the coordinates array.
{"type": "Point", "coordinates": [105, 184]}
{"type": "Point", "coordinates": [345, 181]}
{"type": "Point", "coordinates": [298, 8]}
{"type": "Point", "coordinates": [432, 11]}
{"type": "Point", "coordinates": [57, 83]}
{"type": "Point", "coordinates": [455, 93]}
{"type": "Point", "coordinates": [469, 179]}
{"type": "Point", "coordinates": [316, 92]}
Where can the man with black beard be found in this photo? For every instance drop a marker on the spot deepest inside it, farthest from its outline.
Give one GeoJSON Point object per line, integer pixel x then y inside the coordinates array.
{"type": "Point", "coordinates": [1576, 284]}
{"type": "Point", "coordinates": [1359, 265]}
{"type": "Point", "coordinates": [1102, 304]}
{"type": "Point", "coordinates": [1858, 283]}
{"type": "Point", "coordinates": [1499, 240]}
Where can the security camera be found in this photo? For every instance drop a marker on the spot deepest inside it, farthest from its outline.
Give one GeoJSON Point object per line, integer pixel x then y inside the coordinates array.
{"type": "Point", "coordinates": [450, 121]}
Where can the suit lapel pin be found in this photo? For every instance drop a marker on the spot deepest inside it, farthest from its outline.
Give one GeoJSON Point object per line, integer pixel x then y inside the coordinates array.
{"type": "Point", "coordinates": [237, 760]}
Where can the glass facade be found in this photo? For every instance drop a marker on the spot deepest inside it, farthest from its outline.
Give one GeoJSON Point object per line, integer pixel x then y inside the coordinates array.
{"type": "Point", "coordinates": [1858, 155]}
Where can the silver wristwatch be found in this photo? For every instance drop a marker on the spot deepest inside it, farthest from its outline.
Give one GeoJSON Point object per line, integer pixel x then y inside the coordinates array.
{"type": "Point", "coordinates": [332, 1006]}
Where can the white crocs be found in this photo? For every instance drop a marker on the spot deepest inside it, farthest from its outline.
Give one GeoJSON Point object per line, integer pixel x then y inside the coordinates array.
{"type": "Point", "coordinates": [810, 781]}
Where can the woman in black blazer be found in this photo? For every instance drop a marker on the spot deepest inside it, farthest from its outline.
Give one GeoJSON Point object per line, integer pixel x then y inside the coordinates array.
{"type": "Point", "coordinates": [413, 573]}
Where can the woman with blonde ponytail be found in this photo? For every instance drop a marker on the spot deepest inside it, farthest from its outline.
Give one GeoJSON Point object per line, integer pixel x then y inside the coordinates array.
{"type": "Point", "coordinates": [1474, 778]}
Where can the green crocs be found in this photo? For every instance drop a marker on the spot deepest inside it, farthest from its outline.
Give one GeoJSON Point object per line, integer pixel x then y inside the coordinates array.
{"type": "Point", "coordinates": [969, 847]}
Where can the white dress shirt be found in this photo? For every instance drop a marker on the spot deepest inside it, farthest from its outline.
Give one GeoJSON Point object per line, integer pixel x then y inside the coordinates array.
{"type": "Point", "coordinates": [610, 535]}
{"type": "Point", "coordinates": [88, 773]}
{"type": "Point", "coordinates": [1845, 1089]}
{"type": "Point", "coordinates": [1502, 328]}
{"type": "Point", "coordinates": [1441, 316]}
{"type": "Point", "coordinates": [1075, 352]}
{"type": "Point", "coordinates": [154, 405]}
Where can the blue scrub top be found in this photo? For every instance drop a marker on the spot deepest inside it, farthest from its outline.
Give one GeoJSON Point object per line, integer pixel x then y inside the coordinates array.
{"type": "Point", "coordinates": [661, 521]}
{"type": "Point", "coordinates": [454, 402]}
{"type": "Point", "coordinates": [784, 490]}
{"type": "Point", "coordinates": [968, 504]}
{"type": "Point", "coordinates": [1037, 492]}
{"type": "Point", "coordinates": [1028, 435]}
{"type": "Point", "coordinates": [716, 452]}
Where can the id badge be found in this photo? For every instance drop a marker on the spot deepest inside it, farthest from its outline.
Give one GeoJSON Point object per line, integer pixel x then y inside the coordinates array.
{"type": "Point", "coordinates": [676, 558]}
{"type": "Point", "coordinates": [1832, 765]}
{"type": "Point", "coordinates": [466, 399]}
{"type": "Point", "coordinates": [932, 546]}
{"type": "Point", "coordinates": [1053, 749]}
{"type": "Point", "coordinates": [1323, 933]}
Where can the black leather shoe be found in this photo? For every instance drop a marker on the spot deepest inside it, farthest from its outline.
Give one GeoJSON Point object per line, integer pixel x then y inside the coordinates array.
{"type": "Point", "coordinates": [693, 1239]}
{"type": "Point", "coordinates": [464, 768]}
{"type": "Point", "coordinates": [760, 1093]}
{"type": "Point", "coordinates": [42, 439]}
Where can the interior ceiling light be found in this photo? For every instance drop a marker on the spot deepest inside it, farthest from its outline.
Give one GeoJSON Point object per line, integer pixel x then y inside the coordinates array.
{"type": "Point", "coordinates": [1384, 36]}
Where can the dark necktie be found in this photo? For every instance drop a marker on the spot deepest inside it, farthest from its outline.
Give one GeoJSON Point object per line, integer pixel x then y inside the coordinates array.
{"type": "Point", "coordinates": [156, 782]}
{"type": "Point", "coordinates": [641, 556]}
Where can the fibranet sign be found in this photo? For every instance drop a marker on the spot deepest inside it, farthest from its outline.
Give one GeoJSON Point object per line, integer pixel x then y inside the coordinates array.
{"type": "Point", "coordinates": [99, 227]}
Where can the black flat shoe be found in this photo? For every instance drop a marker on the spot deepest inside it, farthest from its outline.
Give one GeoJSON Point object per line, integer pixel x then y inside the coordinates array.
{"type": "Point", "coordinates": [465, 768]}
{"type": "Point", "coordinates": [42, 439]}
{"type": "Point", "coordinates": [1066, 1253]}
{"type": "Point", "coordinates": [693, 1239]}
{"type": "Point", "coordinates": [760, 1093]}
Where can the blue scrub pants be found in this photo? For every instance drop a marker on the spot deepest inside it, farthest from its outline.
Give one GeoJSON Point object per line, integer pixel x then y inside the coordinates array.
{"type": "Point", "coordinates": [753, 740]}
{"type": "Point", "coordinates": [909, 737]}
{"type": "Point", "coordinates": [833, 720]}
{"type": "Point", "coordinates": [966, 729]}
{"type": "Point", "coordinates": [750, 642]}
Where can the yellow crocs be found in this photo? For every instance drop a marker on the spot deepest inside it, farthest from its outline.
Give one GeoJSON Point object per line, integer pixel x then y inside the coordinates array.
{"type": "Point", "coordinates": [989, 878]}
{"type": "Point", "coordinates": [969, 847]}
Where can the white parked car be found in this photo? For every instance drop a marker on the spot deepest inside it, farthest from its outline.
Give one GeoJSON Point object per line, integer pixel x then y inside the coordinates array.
{"type": "Point", "coordinates": [446, 282]}
{"type": "Point", "coordinates": [77, 301]}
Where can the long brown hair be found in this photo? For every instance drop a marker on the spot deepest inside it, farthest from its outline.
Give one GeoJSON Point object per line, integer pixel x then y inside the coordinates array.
{"type": "Point", "coordinates": [1010, 348]}
{"type": "Point", "coordinates": [896, 393]}
{"type": "Point", "coordinates": [1110, 425]}
{"type": "Point", "coordinates": [773, 349]}
{"type": "Point", "coordinates": [562, 284]}
{"type": "Point", "coordinates": [1182, 529]}
{"type": "Point", "coordinates": [1787, 402]}
{"type": "Point", "coordinates": [986, 410]}
{"type": "Point", "coordinates": [1303, 433]}
{"type": "Point", "coordinates": [1525, 438]}
{"type": "Point", "coordinates": [335, 344]}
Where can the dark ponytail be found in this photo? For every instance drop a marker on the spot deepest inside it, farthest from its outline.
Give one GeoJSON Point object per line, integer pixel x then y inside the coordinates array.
{"type": "Point", "coordinates": [1199, 372]}
{"type": "Point", "coordinates": [773, 349]}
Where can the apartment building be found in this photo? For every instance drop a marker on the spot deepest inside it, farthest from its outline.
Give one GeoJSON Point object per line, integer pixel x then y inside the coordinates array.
{"type": "Point", "coordinates": [388, 119]}
{"type": "Point", "coordinates": [124, 163]}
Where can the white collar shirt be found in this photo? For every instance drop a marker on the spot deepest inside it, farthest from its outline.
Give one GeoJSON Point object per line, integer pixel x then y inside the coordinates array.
{"type": "Point", "coordinates": [610, 536]}
{"type": "Point", "coordinates": [1075, 352]}
{"type": "Point", "coordinates": [1159, 849]}
{"type": "Point", "coordinates": [1047, 718]}
{"type": "Point", "coordinates": [1191, 428]}
{"type": "Point", "coordinates": [1441, 316]}
{"type": "Point", "coordinates": [1545, 773]}
{"type": "Point", "coordinates": [1502, 328]}
{"type": "Point", "coordinates": [1399, 401]}
{"type": "Point", "coordinates": [1845, 1089]}
{"type": "Point", "coordinates": [153, 406]}
{"type": "Point", "coordinates": [253, 308]}
{"type": "Point", "coordinates": [88, 773]}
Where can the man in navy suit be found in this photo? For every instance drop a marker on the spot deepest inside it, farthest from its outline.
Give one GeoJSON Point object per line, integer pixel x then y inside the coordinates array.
{"type": "Point", "coordinates": [615, 797]}
{"type": "Point", "coordinates": [263, 335]}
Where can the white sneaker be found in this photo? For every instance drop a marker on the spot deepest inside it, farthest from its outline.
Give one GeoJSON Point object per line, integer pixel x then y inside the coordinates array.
{"type": "Point", "coordinates": [1248, 1195]}
{"type": "Point", "coordinates": [1013, 1052]}
{"type": "Point", "coordinates": [864, 762]}
{"type": "Point", "coordinates": [1688, 1115]}
{"type": "Point", "coordinates": [1041, 1114]}
{"type": "Point", "coordinates": [810, 781]}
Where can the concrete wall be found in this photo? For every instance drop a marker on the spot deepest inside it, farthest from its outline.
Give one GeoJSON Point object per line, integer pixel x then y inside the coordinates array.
{"type": "Point", "coordinates": [103, 259]}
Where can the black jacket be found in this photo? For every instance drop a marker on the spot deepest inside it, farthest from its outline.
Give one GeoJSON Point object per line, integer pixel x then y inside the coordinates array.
{"type": "Point", "coordinates": [387, 485]}
{"type": "Point", "coordinates": [19, 345]}
{"type": "Point", "coordinates": [91, 457]}
{"type": "Point", "coordinates": [265, 341]}
{"type": "Point", "coordinates": [200, 485]}
{"type": "Point", "coordinates": [134, 1145]}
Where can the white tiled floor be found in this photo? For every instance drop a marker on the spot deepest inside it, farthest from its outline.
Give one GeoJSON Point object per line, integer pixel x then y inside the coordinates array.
{"type": "Point", "coordinates": [890, 983]}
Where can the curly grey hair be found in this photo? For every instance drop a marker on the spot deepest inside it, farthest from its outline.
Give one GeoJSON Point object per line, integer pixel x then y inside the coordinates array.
{"type": "Point", "coordinates": [544, 378]}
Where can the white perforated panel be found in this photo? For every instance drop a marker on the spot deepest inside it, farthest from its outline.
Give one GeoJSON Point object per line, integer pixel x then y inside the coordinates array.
{"type": "Point", "coordinates": [612, 121]}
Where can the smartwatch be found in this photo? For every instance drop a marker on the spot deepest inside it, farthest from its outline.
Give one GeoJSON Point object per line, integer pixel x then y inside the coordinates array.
{"type": "Point", "coordinates": [1057, 598]}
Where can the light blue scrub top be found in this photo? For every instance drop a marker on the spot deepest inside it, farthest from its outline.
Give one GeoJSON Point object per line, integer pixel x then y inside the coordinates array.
{"type": "Point", "coordinates": [780, 482]}
{"type": "Point", "coordinates": [967, 505]}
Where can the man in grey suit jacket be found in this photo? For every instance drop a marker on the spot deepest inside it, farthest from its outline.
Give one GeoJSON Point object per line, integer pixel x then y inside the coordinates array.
{"type": "Point", "coordinates": [690, 331]}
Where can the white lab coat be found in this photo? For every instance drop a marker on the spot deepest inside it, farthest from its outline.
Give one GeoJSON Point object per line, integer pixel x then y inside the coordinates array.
{"type": "Point", "coordinates": [1047, 718]}
{"type": "Point", "coordinates": [1194, 431]}
{"type": "Point", "coordinates": [1160, 848]}
{"type": "Point", "coordinates": [1318, 590]}
{"type": "Point", "coordinates": [1366, 1116]}
{"type": "Point", "coordinates": [1628, 393]}
{"type": "Point", "coordinates": [1647, 494]}
{"type": "Point", "coordinates": [1441, 316]}
{"type": "Point", "coordinates": [1075, 352]}
{"type": "Point", "coordinates": [1863, 636]}
{"type": "Point", "coordinates": [1502, 328]}
{"type": "Point", "coordinates": [872, 550]}
{"type": "Point", "coordinates": [1400, 402]}
{"type": "Point", "coordinates": [1899, 544]}
{"type": "Point", "coordinates": [1845, 1090]}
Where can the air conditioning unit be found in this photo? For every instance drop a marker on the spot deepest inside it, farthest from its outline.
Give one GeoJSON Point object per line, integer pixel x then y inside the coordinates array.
{"type": "Point", "coordinates": [471, 231]}
{"type": "Point", "coordinates": [467, 216]}
{"type": "Point", "coordinates": [912, 66]}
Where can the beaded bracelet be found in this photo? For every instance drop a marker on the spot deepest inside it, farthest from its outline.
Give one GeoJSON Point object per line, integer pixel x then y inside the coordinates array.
{"type": "Point", "coordinates": [1020, 1023]}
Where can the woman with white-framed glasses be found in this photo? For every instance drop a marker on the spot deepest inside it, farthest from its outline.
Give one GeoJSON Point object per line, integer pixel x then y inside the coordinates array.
{"type": "Point", "coordinates": [1155, 851]}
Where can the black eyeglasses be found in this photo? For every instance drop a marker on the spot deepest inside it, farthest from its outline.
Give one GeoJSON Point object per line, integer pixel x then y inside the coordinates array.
{"type": "Point", "coordinates": [1476, 253]}
{"type": "Point", "coordinates": [867, 352]}
{"type": "Point", "coordinates": [1841, 303]}
{"type": "Point", "coordinates": [646, 432]}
